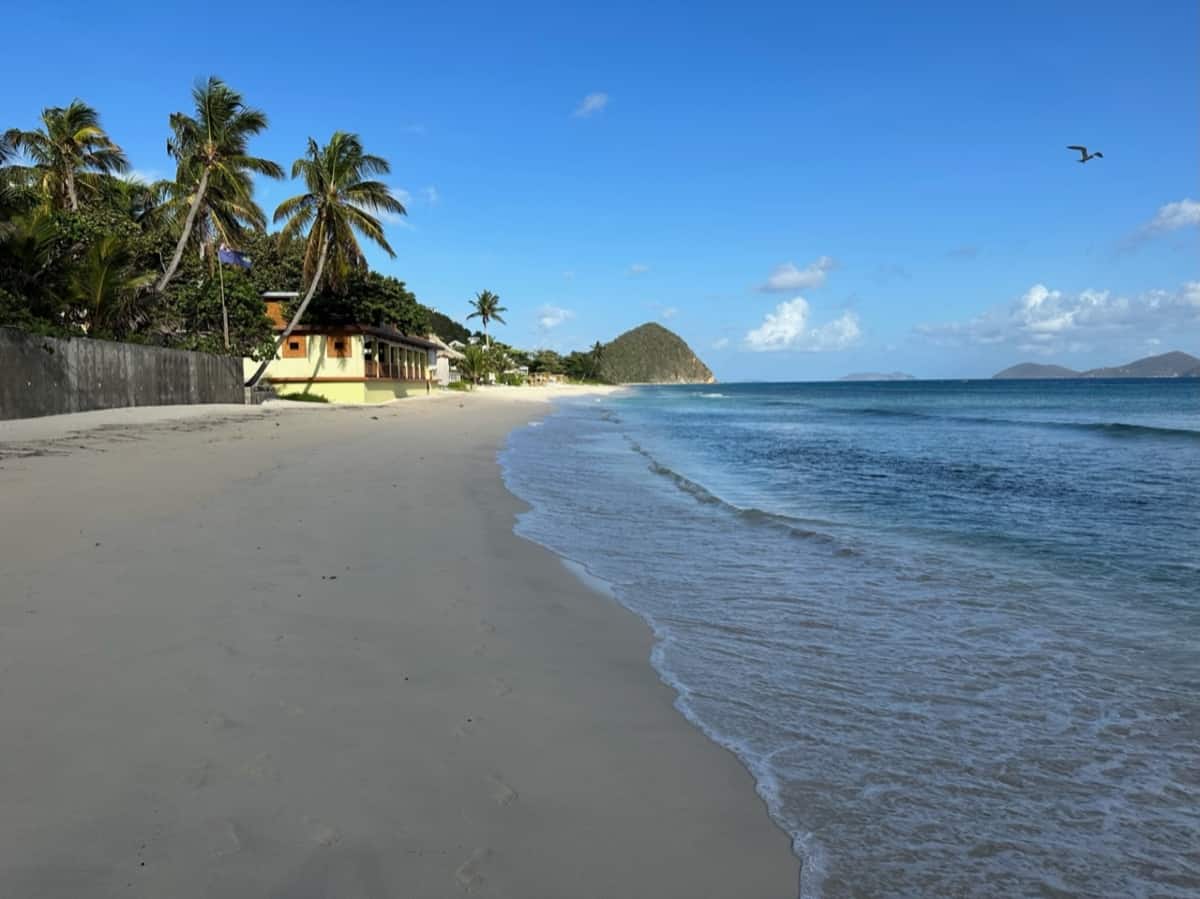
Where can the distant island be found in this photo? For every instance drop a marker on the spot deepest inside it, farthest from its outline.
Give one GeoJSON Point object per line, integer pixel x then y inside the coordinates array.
{"type": "Point", "coordinates": [1165, 365]}
{"type": "Point", "coordinates": [650, 354]}
{"type": "Point", "coordinates": [878, 376]}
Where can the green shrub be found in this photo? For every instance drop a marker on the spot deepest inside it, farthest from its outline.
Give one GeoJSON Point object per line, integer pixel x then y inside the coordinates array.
{"type": "Point", "coordinates": [303, 397]}
{"type": "Point", "coordinates": [511, 379]}
{"type": "Point", "coordinates": [458, 385]}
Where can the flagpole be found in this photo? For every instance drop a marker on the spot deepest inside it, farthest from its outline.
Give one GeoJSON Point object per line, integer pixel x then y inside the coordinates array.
{"type": "Point", "coordinates": [224, 310]}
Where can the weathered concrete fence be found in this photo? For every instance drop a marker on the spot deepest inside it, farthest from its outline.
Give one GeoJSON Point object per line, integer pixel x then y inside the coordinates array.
{"type": "Point", "coordinates": [47, 376]}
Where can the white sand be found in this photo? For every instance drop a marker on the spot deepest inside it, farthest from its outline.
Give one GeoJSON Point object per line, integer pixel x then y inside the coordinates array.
{"type": "Point", "coordinates": [297, 651]}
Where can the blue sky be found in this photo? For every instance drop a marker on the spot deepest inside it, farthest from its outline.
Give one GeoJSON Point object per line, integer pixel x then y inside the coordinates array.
{"type": "Point", "coordinates": [896, 173]}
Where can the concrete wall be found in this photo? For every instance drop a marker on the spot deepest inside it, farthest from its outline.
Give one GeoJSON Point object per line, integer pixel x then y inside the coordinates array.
{"type": "Point", "coordinates": [47, 376]}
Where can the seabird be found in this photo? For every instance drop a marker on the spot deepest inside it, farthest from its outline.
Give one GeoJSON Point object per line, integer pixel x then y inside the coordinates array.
{"type": "Point", "coordinates": [1085, 155]}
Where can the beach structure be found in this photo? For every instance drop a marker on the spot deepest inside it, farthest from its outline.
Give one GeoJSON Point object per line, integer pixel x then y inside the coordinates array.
{"type": "Point", "coordinates": [446, 359]}
{"type": "Point", "coordinates": [347, 363]}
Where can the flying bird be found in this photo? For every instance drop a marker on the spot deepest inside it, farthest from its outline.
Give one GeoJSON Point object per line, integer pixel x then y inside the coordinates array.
{"type": "Point", "coordinates": [1084, 155]}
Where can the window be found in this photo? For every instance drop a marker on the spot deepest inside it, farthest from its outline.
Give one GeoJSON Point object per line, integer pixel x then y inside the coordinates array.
{"type": "Point", "coordinates": [295, 347]}
{"type": "Point", "coordinates": [338, 347]}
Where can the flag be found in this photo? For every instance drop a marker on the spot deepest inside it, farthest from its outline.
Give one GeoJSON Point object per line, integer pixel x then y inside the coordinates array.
{"type": "Point", "coordinates": [233, 257]}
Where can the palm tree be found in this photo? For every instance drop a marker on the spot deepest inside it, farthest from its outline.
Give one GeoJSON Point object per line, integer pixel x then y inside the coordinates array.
{"type": "Point", "coordinates": [474, 363]}
{"type": "Point", "coordinates": [69, 151]}
{"type": "Point", "coordinates": [338, 203]}
{"type": "Point", "coordinates": [597, 354]}
{"type": "Point", "coordinates": [487, 308]}
{"type": "Point", "coordinates": [211, 154]}
{"type": "Point", "coordinates": [108, 286]}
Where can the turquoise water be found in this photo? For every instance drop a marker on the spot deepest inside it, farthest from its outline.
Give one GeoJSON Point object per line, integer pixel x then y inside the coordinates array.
{"type": "Point", "coordinates": [953, 629]}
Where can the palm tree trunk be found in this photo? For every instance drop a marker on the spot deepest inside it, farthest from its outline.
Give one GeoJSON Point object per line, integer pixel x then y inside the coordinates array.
{"type": "Point", "coordinates": [72, 197]}
{"type": "Point", "coordinates": [287, 332]}
{"type": "Point", "coordinates": [183, 238]}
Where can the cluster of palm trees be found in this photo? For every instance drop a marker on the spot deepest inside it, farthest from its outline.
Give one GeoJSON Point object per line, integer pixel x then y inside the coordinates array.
{"type": "Point", "coordinates": [70, 162]}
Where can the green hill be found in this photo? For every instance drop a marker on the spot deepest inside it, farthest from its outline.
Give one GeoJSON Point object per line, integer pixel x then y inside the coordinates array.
{"type": "Point", "coordinates": [1165, 365]}
{"type": "Point", "coordinates": [1035, 371]}
{"type": "Point", "coordinates": [650, 354]}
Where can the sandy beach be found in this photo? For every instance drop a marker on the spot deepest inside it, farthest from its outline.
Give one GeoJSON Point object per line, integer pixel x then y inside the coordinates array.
{"type": "Point", "coordinates": [297, 651]}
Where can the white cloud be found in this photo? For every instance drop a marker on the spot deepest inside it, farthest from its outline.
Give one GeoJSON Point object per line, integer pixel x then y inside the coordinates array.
{"type": "Point", "coordinates": [789, 277]}
{"type": "Point", "coordinates": [787, 328]}
{"type": "Point", "coordinates": [569, 275]}
{"type": "Point", "coordinates": [1173, 216]}
{"type": "Point", "coordinates": [552, 316]}
{"type": "Point", "coordinates": [391, 218]}
{"type": "Point", "coordinates": [142, 176]}
{"type": "Point", "coordinates": [417, 129]}
{"type": "Point", "coordinates": [1045, 320]}
{"type": "Point", "coordinates": [590, 105]}
{"type": "Point", "coordinates": [638, 268]}
{"type": "Point", "coordinates": [668, 312]}
{"type": "Point", "coordinates": [430, 195]}
{"type": "Point", "coordinates": [720, 343]}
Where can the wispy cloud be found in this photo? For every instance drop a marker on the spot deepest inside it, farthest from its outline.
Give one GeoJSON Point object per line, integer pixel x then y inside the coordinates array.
{"type": "Point", "coordinates": [638, 268]}
{"type": "Point", "coordinates": [142, 176]}
{"type": "Point", "coordinates": [720, 343]}
{"type": "Point", "coordinates": [550, 317]}
{"type": "Point", "coordinates": [967, 251]}
{"type": "Point", "coordinates": [568, 275]}
{"type": "Point", "coordinates": [787, 328]}
{"type": "Point", "coordinates": [416, 128]}
{"type": "Point", "coordinates": [430, 195]}
{"type": "Point", "coordinates": [590, 105]}
{"type": "Point", "coordinates": [788, 277]}
{"type": "Point", "coordinates": [1170, 217]}
{"type": "Point", "coordinates": [668, 312]}
{"type": "Point", "coordinates": [888, 272]}
{"type": "Point", "coordinates": [1173, 216]}
{"type": "Point", "coordinates": [392, 218]}
{"type": "Point", "coordinates": [1045, 320]}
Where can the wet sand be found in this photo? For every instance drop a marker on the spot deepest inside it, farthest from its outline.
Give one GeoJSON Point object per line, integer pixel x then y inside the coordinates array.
{"type": "Point", "coordinates": [298, 652]}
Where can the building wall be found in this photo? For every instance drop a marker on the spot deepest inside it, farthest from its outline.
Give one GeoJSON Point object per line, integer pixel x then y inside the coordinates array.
{"type": "Point", "coordinates": [318, 373]}
{"type": "Point", "coordinates": [318, 363]}
{"type": "Point", "coordinates": [48, 376]}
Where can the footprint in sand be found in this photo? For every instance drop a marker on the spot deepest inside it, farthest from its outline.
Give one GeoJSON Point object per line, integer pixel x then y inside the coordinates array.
{"type": "Point", "coordinates": [501, 687]}
{"type": "Point", "coordinates": [502, 793]}
{"type": "Point", "coordinates": [468, 875]}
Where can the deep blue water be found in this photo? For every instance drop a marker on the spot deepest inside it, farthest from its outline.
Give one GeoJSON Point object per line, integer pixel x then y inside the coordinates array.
{"type": "Point", "coordinates": [953, 628]}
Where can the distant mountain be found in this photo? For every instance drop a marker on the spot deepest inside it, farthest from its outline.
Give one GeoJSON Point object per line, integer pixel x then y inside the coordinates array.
{"type": "Point", "coordinates": [1033, 370]}
{"type": "Point", "coordinates": [1165, 365]}
{"type": "Point", "coordinates": [650, 354]}
{"type": "Point", "coordinates": [878, 376]}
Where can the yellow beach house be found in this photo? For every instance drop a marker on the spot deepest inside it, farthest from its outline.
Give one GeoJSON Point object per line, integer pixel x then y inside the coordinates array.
{"type": "Point", "coordinates": [347, 363]}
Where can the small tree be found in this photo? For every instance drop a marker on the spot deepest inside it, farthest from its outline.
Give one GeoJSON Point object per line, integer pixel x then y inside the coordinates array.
{"type": "Point", "coordinates": [474, 364]}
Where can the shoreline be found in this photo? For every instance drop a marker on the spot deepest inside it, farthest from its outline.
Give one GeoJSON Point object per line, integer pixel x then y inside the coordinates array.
{"type": "Point", "coordinates": [266, 654]}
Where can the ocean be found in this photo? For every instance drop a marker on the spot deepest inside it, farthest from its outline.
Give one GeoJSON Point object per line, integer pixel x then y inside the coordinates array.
{"type": "Point", "coordinates": [952, 628]}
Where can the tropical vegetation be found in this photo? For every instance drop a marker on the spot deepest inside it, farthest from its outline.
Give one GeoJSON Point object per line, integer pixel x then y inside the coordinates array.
{"type": "Point", "coordinates": [88, 249]}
